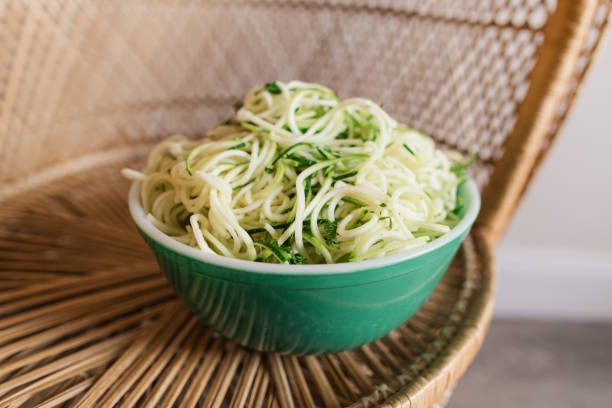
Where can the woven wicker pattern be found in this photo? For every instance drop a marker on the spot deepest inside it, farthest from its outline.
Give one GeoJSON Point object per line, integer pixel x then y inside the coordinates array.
{"type": "Point", "coordinates": [86, 319]}
{"type": "Point", "coordinates": [585, 57]}
{"type": "Point", "coordinates": [124, 74]}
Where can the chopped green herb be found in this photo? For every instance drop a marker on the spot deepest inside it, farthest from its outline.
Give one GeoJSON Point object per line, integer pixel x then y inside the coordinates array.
{"type": "Point", "coordinates": [265, 254]}
{"type": "Point", "coordinates": [282, 254]}
{"type": "Point", "coordinates": [353, 201]}
{"type": "Point", "coordinates": [307, 183]}
{"type": "Point", "coordinates": [288, 150]}
{"type": "Point", "coordinates": [410, 150]}
{"type": "Point", "coordinates": [344, 258]}
{"type": "Point", "coordinates": [241, 186]}
{"type": "Point", "coordinates": [322, 153]}
{"type": "Point", "coordinates": [301, 159]}
{"type": "Point", "coordinates": [383, 204]}
{"type": "Point", "coordinates": [273, 88]}
{"type": "Point", "coordinates": [188, 160]}
{"type": "Point", "coordinates": [344, 134]}
{"type": "Point", "coordinates": [330, 233]}
{"type": "Point", "coordinates": [297, 259]}
{"type": "Point", "coordinates": [357, 220]}
{"type": "Point", "coordinates": [390, 221]}
{"type": "Point", "coordinates": [346, 175]}
{"type": "Point", "coordinates": [238, 146]}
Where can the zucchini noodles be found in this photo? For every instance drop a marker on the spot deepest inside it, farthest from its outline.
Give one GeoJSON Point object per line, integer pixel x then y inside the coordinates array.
{"type": "Point", "coordinates": [299, 176]}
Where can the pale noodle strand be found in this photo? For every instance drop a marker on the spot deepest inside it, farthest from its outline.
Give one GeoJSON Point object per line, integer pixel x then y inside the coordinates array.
{"type": "Point", "coordinates": [298, 175]}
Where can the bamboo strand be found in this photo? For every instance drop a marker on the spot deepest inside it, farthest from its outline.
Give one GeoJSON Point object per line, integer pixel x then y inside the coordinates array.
{"type": "Point", "coordinates": [357, 375]}
{"type": "Point", "coordinates": [138, 270]}
{"type": "Point", "coordinates": [224, 376]}
{"type": "Point", "coordinates": [79, 305]}
{"type": "Point", "coordinates": [75, 368]}
{"type": "Point", "coordinates": [342, 383]}
{"type": "Point", "coordinates": [246, 381]}
{"type": "Point", "coordinates": [55, 332]}
{"type": "Point", "coordinates": [66, 395]}
{"type": "Point", "coordinates": [320, 379]}
{"type": "Point", "coordinates": [208, 366]}
{"type": "Point", "coordinates": [298, 382]}
{"type": "Point", "coordinates": [171, 371]}
{"type": "Point", "coordinates": [279, 376]}
{"type": "Point", "coordinates": [387, 358]}
{"type": "Point", "coordinates": [260, 387]}
{"type": "Point", "coordinates": [50, 320]}
{"type": "Point", "coordinates": [126, 359]}
{"type": "Point", "coordinates": [109, 344]}
{"type": "Point", "coordinates": [77, 341]}
{"type": "Point", "coordinates": [84, 284]}
{"type": "Point", "coordinates": [153, 371]}
{"type": "Point", "coordinates": [193, 361]}
{"type": "Point", "coordinates": [374, 363]}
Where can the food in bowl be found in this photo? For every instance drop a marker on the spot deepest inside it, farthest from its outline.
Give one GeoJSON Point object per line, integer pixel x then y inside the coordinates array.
{"type": "Point", "coordinates": [309, 308]}
{"type": "Point", "coordinates": [353, 219]}
{"type": "Point", "coordinates": [298, 176]}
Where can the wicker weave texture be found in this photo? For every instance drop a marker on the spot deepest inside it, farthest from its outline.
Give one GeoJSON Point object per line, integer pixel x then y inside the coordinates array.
{"type": "Point", "coordinates": [80, 77]}
{"type": "Point", "coordinates": [86, 319]}
{"type": "Point", "coordinates": [121, 73]}
{"type": "Point", "coordinates": [86, 86]}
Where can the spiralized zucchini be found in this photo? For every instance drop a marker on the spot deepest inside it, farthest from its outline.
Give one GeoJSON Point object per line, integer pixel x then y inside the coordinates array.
{"type": "Point", "coordinates": [299, 176]}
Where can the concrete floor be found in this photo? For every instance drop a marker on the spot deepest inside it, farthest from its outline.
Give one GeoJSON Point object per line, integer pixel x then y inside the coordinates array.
{"type": "Point", "coordinates": [540, 364]}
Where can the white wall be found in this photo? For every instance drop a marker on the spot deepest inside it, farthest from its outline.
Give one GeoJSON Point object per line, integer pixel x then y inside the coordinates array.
{"type": "Point", "coordinates": [556, 258]}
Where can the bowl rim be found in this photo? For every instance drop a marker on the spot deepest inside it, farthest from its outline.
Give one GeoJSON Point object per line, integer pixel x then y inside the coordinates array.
{"type": "Point", "coordinates": [146, 227]}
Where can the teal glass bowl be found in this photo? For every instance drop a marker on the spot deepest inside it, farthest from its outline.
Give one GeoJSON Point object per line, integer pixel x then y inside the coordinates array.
{"type": "Point", "coordinates": [305, 309]}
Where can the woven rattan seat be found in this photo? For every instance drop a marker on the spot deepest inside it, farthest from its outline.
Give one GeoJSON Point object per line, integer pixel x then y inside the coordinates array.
{"type": "Point", "coordinates": [87, 319]}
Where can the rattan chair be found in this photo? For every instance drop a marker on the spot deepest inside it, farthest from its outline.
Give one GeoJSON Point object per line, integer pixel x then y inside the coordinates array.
{"type": "Point", "coordinates": [86, 319]}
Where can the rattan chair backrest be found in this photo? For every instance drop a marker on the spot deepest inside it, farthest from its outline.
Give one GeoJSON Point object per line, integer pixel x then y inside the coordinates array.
{"type": "Point", "coordinates": [85, 79]}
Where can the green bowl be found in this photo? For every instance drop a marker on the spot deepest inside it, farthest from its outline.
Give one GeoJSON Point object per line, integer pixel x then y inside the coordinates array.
{"type": "Point", "coordinates": [305, 309]}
